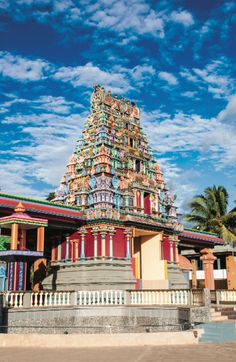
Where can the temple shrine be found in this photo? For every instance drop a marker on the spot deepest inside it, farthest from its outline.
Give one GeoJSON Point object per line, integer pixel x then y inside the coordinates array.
{"type": "Point", "coordinates": [113, 222]}
{"type": "Point", "coordinates": [131, 227]}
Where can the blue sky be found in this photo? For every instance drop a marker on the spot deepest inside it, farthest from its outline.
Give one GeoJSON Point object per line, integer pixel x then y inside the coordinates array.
{"type": "Point", "coordinates": [176, 59]}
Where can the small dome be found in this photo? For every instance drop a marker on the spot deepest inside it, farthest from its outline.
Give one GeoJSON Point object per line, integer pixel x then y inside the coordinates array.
{"type": "Point", "coordinates": [184, 263]}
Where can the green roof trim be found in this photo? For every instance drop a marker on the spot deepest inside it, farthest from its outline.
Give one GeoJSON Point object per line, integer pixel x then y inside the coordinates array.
{"type": "Point", "coordinates": [201, 232]}
{"type": "Point", "coordinates": [22, 221]}
{"type": "Point", "coordinates": [74, 208]}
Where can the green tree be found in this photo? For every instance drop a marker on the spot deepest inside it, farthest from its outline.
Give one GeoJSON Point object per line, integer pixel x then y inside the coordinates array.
{"type": "Point", "coordinates": [50, 196]}
{"type": "Point", "coordinates": [209, 213]}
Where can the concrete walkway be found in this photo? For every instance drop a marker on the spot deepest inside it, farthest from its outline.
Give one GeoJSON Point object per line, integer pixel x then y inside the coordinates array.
{"type": "Point", "coordinates": [211, 353]}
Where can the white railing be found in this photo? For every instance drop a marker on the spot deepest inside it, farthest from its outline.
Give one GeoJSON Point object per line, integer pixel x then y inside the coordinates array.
{"type": "Point", "coordinates": [49, 299]}
{"type": "Point", "coordinates": [160, 297]}
{"type": "Point", "coordinates": [46, 299]}
{"type": "Point", "coordinates": [13, 299]}
{"type": "Point", "coordinates": [101, 297]}
{"type": "Point", "coordinates": [226, 296]}
{"type": "Point", "coordinates": [197, 297]}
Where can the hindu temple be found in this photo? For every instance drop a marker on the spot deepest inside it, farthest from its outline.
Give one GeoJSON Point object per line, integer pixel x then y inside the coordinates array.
{"type": "Point", "coordinates": [112, 224]}
{"type": "Point", "coordinates": [131, 224]}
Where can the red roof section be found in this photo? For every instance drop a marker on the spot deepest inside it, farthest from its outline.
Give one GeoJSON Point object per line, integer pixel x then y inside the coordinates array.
{"type": "Point", "coordinates": [38, 206]}
{"type": "Point", "coordinates": [201, 236]}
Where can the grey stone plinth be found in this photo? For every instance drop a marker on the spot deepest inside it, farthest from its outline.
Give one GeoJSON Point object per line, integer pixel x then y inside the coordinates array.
{"type": "Point", "coordinates": [91, 275]}
{"type": "Point", "coordinates": [102, 319]}
{"type": "Point", "coordinates": [176, 277]}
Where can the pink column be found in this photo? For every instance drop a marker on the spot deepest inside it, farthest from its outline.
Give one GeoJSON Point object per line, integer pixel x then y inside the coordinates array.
{"type": "Point", "coordinates": [208, 264]}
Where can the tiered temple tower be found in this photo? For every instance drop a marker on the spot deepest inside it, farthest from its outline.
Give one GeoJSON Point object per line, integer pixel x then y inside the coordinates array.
{"type": "Point", "coordinates": [112, 172]}
{"type": "Point", "coordinates": [131, 229]}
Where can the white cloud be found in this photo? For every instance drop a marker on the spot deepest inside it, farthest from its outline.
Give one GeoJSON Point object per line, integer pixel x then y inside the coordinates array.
{"type": "Point", "coordinates": [139, 75]}
{"type": "Point", "coordinates": [179, 133]}
{"type": "Point", "coordinates": [183, 17]}
{"type": "Point", "coordinates": [184, 136]}
{"type": "Point", "coordinates": [22, 69]}
{"type": "Point", "coordinates": [123, 16]}
{"type": "Point", "coordinates": [50, 139]}
{"type": "Point", "coordinates": [45, 103]}
{"type": "Point", "coordinates": [187, 74]}
{"type": "Point", "coordinates": [119, 79]}
{"type": "Point", "coordinates": [214, 78]}
{"type": "Point", "coordinates": [22, 184]}
{"type": "Point", "coordinates": [120, 16]}
{"type": "Point", "coordinates": [168, 77]}
{"type": "Point", "coordinates": [189, 94]}
{"type": "Point", "coordinates": [228, 115]}
{"type": "Point", "coordinates": [62, 5]}
{"type": "Point", "coordinates": [55, 104]}
{"type": "Point", "coordinates": [179, 181]}
{"type": "Point", "coordinates": [210, 138]}
{"type": "Point", "coordinates": [89, 74]}
{"type": "Point", "coordinates": [4, 4]}
{"type": "Point", "coordinates": [142, 72]}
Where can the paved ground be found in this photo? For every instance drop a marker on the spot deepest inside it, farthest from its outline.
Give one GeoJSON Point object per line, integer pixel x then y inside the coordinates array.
{"type": "Point", "coordinates": [200, 353]}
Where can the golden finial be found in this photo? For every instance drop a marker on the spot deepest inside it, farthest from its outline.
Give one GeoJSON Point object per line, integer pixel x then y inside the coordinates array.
{"type": "Point", "coordinates": [19, 208]}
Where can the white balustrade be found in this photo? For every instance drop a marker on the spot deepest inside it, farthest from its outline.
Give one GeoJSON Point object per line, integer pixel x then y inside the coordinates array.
{"type": "Point", "coordinates": [160, 297]}
{"type": "Point", "coordinates": [13, 299]}
{"type": "Point", "coordinates": [50, 299]}
{"type": "Point", "coordinates": [227, 296]}
{"type": "Point", "coordinates": [101, 297]}
{"type": "Point", "coordinates": [47, 299]}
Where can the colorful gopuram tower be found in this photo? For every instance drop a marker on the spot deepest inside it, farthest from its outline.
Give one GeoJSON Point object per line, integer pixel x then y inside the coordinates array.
{"type": "Point", "coordinates": [131, 233]}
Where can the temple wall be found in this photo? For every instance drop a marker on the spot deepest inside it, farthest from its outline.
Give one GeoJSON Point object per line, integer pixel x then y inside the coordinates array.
{"type": "Point", "coordinates": [137, 257]}
{"type": "Point", "coordinates": [153, 273]}
{"type": "Point", "coordinates": [119, 244]}
{"type": "Point", "coordinates": [166, 248]}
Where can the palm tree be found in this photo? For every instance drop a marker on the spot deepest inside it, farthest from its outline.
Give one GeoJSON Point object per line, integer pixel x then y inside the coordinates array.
{"type": "Point", "coordinates": [209, 213]}
{"type": "Point", "coordinates": [50, 196]}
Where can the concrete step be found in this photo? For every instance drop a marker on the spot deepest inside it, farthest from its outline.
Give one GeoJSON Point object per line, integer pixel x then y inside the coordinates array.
{"type": "Point", "coordinates": [228, 312]}
{"type": "Point", "coordinates": [218, 332]}
{"type": "Point", "coordinates": [218, 312]}
{"type": "Point", "coordinates": [219, 318]}
{"type": "Point", "coordinates": [215, 314]}
{"type": "Point", "coordinates": [225, 309]}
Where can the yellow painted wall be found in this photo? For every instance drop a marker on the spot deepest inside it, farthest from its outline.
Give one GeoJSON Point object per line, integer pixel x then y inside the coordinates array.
{"type": "Point", "coordinates": [153, 273]}
{"type": "Point", "coordinates": [137, 255]}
